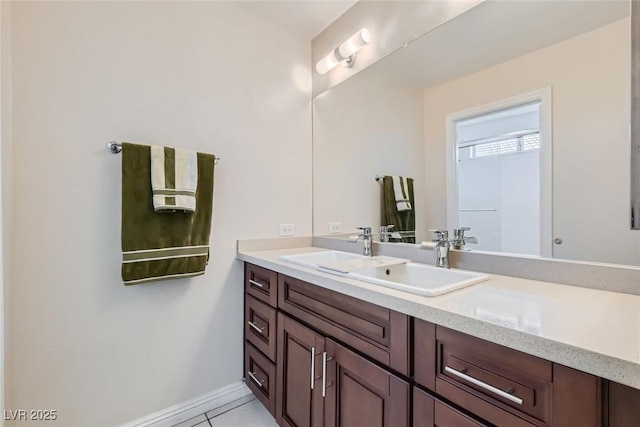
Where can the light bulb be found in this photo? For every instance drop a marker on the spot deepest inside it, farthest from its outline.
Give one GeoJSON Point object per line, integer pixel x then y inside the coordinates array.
{"type": "Point", "coordinates": [345, 50]}
{"type": "Point", "coordinates": [354, 43]}
{"type": "Point", "coordinates": [327, 63]}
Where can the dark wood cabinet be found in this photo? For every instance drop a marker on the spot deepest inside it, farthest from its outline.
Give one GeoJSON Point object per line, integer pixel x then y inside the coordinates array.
{"type": "Point", "coordinates": [317, 358]}
{"type": "Point", "coordinates": [380, 333]}
{"type": "Point", "coordinates": [260, 326]}
{"type": "Point", "coordinates": [361, 394]}
{"type": "Point", "coordinates": [621, 405]}
{"type": "Point", "coordinates": [321, 383]}
{"type": "Point", "coordinates": [501, 385]}
{"type": "Point", "coordinates": [577, 398]}
{"type": "Point", "coordinates": [424, 354]}
{"type": "Point", "coordinates": [261, 283]}
{"type": "Point", "coordinates": [316, 381]}
{"type": "Point", "coordinates": [260, 375]}
{"type": "Point", "coordinates": [299, 401]}
{"type": "Point", "coordinates": [429, 411]}
{"type": "Point", "coordinates": [261, 298]}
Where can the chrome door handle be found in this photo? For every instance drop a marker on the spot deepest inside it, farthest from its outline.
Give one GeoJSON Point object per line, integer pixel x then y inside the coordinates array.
{"type": "Point", "coordinates": [258, 284]}
{"type": "Point", "coordinates": [255, 379]}
{"type": "Point", "coordinates": [313, 366]}
{"type": "Point", "coordinates": [256, 327]}
{"type": "Point", "coordinates": [325, 359]}
{"type": "Point", "coordinates": [484, 385]}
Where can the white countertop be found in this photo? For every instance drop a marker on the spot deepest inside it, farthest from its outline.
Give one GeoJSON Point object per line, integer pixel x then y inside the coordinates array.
{"type": "Point", "coordinates": [590, 330]}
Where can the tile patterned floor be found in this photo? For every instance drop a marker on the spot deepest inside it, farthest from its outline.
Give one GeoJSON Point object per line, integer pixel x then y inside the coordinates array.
{"type": "Point", "coordinates": [248, 414]}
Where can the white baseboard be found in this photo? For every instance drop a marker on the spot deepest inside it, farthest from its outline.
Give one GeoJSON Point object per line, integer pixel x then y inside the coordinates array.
{"type": "Point", "coordinates": [194, 407]}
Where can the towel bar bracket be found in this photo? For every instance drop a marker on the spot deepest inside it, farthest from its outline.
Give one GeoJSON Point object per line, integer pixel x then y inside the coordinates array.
{"type": "Point", "coordinates": [115, 147]}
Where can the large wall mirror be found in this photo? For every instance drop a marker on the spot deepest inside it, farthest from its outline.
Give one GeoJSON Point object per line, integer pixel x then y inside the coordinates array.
{"type": "Point", "coordinates": [511, 119]}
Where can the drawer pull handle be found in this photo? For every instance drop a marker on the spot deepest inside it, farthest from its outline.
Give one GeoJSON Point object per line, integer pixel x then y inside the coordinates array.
{"type": "Point", "coordinates": [255, 379]}
{"type": "Point", "coordinates": [256, 327]}
{"type": "Point", "coordinates": [313, 366]}
{"type": "Point", "coordinates": [325, 359]}
{"type": "Point", "coordinates": [258, 284]}
{"type": "Point", "coordinates": [484, 385]}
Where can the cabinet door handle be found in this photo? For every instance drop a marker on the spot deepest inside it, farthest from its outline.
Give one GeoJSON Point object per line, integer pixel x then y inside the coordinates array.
{"type": "Point", "coordinates": [256, 327]}
{"type": "Point", "coordinates": [313, 366]}
{"type": "Point", "coordinates": [255, 379]}
{"type": "Point", "coordinates": [484, 385]}
{"type": "Point", "coordinates": [325, 359]}
{"type": "Point", "coordinates": [258, 284]}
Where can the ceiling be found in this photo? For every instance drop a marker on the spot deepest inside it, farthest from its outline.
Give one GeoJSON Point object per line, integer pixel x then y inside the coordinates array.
{"type": "Point", "coordinates": [306, 18]}
{"type": "Point", "coordinates": [493, 32]}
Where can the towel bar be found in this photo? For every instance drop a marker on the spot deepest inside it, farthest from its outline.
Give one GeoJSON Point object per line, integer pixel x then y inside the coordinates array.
{"type": "Point", "coordinates": [116, 147]}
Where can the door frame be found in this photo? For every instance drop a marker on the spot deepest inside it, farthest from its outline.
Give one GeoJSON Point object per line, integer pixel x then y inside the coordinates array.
{"type": "Point", "coordinates": [544, 96]}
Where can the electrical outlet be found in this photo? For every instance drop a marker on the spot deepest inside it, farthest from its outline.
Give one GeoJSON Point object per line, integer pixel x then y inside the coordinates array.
{"type": "Point", "coordinates": [287, 229]}
{"type": "Point", "coordinates": [335, 227]}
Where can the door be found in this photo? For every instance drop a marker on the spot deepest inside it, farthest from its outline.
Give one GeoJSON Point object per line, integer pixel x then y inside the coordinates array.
{"type": "Point", "coordinates": [361, 394]}
{"type": "Point", "coordinates": [499, 174]}
{"type": "Point", "coordinates": [299, 400]}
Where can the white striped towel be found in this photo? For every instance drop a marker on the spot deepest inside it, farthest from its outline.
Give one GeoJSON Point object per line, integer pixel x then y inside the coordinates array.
{"type": "Point", "coordinates": [174, 179]}
{"type": "Point", "coordinates": [401, 193]}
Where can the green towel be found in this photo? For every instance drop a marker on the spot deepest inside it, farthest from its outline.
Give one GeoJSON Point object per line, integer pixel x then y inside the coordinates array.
{"type": "Point", "coordinates": [158, 246]}
{"type": "Point", "coordinates": [404, 221]}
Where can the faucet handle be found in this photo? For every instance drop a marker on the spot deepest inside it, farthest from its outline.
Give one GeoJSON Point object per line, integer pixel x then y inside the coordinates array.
{"type": "Point", "coordinates": [440, 234]}
{"type": "Point", "coordinates": [386, 227]}
{"type": "Point", "coordinates": [460, 239]}
{"type": "Point", "coordinates": [458, 233]}
{"type": "Point", "coordinates": [365, 230]}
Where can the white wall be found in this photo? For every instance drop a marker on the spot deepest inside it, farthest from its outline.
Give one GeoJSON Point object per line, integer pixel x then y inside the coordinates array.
{"type": "Point", "coordinates": [197, 75]}
{"type": "Point", "coordinates": [372, 116]}
{"type": "Point", "coordinates": [5, 180]}
{"type": "Point", "coordinates": [589, 76]}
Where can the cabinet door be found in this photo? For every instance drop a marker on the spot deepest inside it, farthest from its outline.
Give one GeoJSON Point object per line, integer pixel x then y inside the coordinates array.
{"type": "Point", "coordinates": [577, 398]}
{"type": "Point", "coordinates": [360, 393]}
{"type": "Point", "coordinates": [299, 401]}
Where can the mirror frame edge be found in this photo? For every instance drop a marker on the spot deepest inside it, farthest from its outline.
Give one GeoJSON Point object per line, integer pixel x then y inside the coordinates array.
{"type": "Point", "coordinates": [635, 116]}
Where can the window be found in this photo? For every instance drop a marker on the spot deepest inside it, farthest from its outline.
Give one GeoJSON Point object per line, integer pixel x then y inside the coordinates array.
{"type": "Point", "coordinates": [521, 143]}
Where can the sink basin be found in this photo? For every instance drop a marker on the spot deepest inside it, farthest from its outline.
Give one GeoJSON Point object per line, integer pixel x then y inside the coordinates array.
{"type": "Point", "coordinates": [338, 262]}
{"type": "Point", "coordinates": [313, 259]}
{"type": "Point", "coordinates": [419, 279]}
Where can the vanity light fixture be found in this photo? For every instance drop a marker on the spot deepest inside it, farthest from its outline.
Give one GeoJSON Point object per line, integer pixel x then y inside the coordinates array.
{"type": "Point", "coordinates": [345, 52]}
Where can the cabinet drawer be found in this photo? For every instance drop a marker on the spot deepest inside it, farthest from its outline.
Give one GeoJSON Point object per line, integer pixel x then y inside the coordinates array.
{"type": "Point", "coordinates": [378, 332]}
{"type": "Point", "coordinates": [261, 283]}
{"type": "Point", "coordinates": [431, 412]}
{"type": "Point", "coordinates": [260, 326]}
{"type": "Point", "coordinates": [260, 377]}
{"type": "Point", "coordinates": [472, 372]}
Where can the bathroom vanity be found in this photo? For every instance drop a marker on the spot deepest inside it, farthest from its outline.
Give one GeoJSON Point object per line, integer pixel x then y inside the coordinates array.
{"type": "Point", "coordinates": [325, 350]}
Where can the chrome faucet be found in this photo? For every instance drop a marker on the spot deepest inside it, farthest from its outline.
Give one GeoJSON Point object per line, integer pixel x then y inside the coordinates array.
{"type": "Point", "coordinates": [385, 233]}
{"type": "Point", "coordinates": [459, 239]}
{"type": "Point", "coordinates": [441, 246]}
{"type": "Point", "coordinates": [367, 240]}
